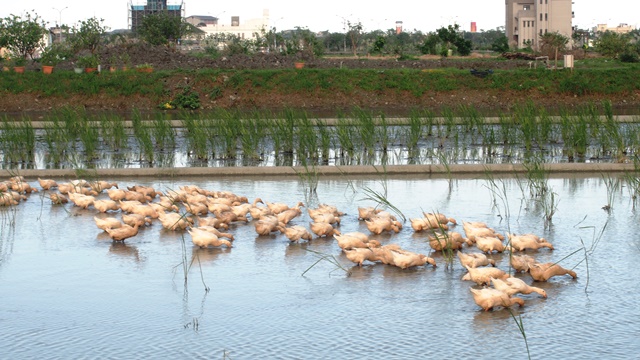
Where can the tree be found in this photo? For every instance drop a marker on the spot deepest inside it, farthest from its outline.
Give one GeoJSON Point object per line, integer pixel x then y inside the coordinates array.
{"type": "Point", "coordinates": [611, 44]}
{"type": "Point", "coordinates": [354, 34]}
{"type": "Point", "coordinates": [430, 44]}
{"type": "Point", "coordinates": [500, 44]}
{"type": "Point", "coordinates": [22, 36]}
{"type": "Point", "coordinates": [163, 29]}
{"type": "Point", "coordinates": [452, 39]}
{"type": "Point", "coordinates": [553, 41]}
{"type": "Point", "coordinates": [87, 35]}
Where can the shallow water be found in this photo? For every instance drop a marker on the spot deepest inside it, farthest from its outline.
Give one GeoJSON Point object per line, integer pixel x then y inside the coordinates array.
{"type": "Point", "coordinates": [68, 291]}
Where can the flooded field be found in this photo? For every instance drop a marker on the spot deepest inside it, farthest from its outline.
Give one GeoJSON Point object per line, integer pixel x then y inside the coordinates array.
{"type": "Point", "coordinates": [68, 291]}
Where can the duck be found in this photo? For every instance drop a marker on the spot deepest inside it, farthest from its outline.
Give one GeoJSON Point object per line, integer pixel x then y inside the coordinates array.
{"type": "Point", "coordinates": [521, 263]}
{"type": "Point", "coordinates": [488, 244]}
{"type": "Point", "coordinates": [145, 210]}
{"type": "Point", "coordinates": [421, 224]}
{"type": "Point", "coordinates": [277, 208]}
{"type": "Point", "coordinates": [58, 199]}
{"type": "Point", "coordinates": [217, 232]}
{"type": "Point", "coordinates": [136, 196]}
{"type": "Point", "coordinates": [203, 238]}
{"type": "Point", "coordinates": [381, 223]}
{"type": "Point", "coordinates": [488, 298]}
{"type": "Point", "coordinates": [366, 213]}
{"type": "Point", "coordinates": [107, 223]}
{"type": "Point", "coordinates": [212, 221]}
{"type": "Point", "coordinates": [115, 194]}
{"type": "Point", "coordinates": [325, 209]}
{"type": "Point", "coordinates": [513, 285]}
{"type": "Point", "coordinates": [447, 240]}
{"type": "Point", "coordinates": [197, 209]}
{"type": "Point", "coordinates": [145, 190]}
{"type": "Point", "coordinates": [355, 240]}
{"type": "Point", "coordinates": [328, 218]}
{"type": "Point", "coordinates": [543, 272]}
{"type": "Point", "coordinates": [23, 188]}
{"type": "Point", "coordinates": [106, 205]}
{"type": "Point", "coordinates": [474, 260]}
{"type": "Point", "coordinates": [167, 204]}
{"type": "Point", "coordinates": [323, 229]}
{"type": "Point", "coordinates": [128, 205]}
{"type": "Point", "coordinates": [295, 233]}
{"type": "Point", "coordinates": [175, 221]}
{"type": "Point", "coordinates": [527, 241]}
{"type": "Point", "coordinates": [383, 253]}
{"type": "Point", "coordinates": [475, 229]}
{"type": "Point", "coordinates": [441, 218]}
{"type": "Point", "coordinates": [483, 275]}
{"type": "Point", "coordinates": [47, 184]}
{"type": "Point", "coordinates": [358, 255]}
{"type": "Point", "coordinates": [82, 201]}
{"type": "Point", "coordinates": [406, 259]}
{"type": "Point", "coordinates": [133, 219]}
{"type": "Point", "coordinates": [101, 185]}
{"type": "Point", "coordinates": [266, 225]}
{"type": "Point", "coordinates": [122, 233]}
{"type": "Point", "coordinates": [288, 215]}
{"type": "Point", "coordinates": [7, 200]}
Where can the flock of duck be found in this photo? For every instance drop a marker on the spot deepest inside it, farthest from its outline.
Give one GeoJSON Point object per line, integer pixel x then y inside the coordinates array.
{"type": "Point", "coordinates": [215, 212]}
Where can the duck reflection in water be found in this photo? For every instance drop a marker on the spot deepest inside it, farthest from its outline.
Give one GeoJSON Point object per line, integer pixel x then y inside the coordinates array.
{"type": "Point", "coordinates": [122, 249]}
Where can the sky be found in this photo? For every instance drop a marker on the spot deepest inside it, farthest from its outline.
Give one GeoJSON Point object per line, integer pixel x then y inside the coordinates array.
{"type": "Point", "coordinates": [330, 15]}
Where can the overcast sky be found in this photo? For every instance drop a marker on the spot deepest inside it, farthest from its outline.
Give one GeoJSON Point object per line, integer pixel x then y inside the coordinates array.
{"type": "Point", "coordinates": [331, 14]}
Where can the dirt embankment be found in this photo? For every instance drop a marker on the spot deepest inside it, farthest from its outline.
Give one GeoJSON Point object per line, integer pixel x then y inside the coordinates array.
{"type": "Point", "coordinates": [389, 101]}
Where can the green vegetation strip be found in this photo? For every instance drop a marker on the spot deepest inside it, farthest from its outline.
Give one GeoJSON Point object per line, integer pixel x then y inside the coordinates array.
{"type": "Point", "coordinates": [286, 81]}
{"type": "Point", "coordinates": [561, 170]}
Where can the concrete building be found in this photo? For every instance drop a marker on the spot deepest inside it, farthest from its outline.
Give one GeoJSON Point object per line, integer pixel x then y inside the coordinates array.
{"type": "Point", "coordinates": [620, 29]}
{"type": "Point", "coordinates": [526, 20]}
{"type": "Point", "coordinates": [138, 9]}
{"type": "Point", "coordinates": [244, 29]}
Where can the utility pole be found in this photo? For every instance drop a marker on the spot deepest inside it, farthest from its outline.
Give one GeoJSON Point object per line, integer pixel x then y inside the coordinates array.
{"type": "Point", "coordinates": [60, 22]}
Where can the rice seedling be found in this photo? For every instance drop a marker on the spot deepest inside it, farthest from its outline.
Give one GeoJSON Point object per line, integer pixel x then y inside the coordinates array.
{"type": "Point", "coordinates": [381, 199]}
{"type": "Point", "coordinates": [613, 185]}
{"type": "Point", "coordinates": [328, 258]}
{"type": "Point", "coordinates": [89, 135]}
{"type": "Point", "coordinates": [587, 252]}
{"type": "Point", "coordinates": [17, 140]}
{"type": "Point", "coordinates": [633, 185]}
{"type": "Point", "coordinates": [549, 207]}
{"type": "Point", "coordinates": [325, 141]}
{"type": "Point", "coordinates": [309, 177]}
{"type": "Point", "coordinates": [251, 134]}
{"type": "Point", "coordinates": [415, 129]}
{"type": "Point", "coordinates": [344, 132]}
{"type": "Point", "coordinates": [196, 137]}
{"type": "Point", "coordinates": [307, 139]}
{"type": "Point", "coordinates": [449, 119]}
{"type": "Point", "coordinates": [520, 325]}
{"type": "Point", "coordinates": [163, 134]}
{"type": "Point", "coordinates": [384, 134]}
{"type": "Point", "coordinates": [536, 177]}
{"type": "Point", "coordinates": [366, 127]}
{"type": "Point", "coordinates": [229, 133]}
{"type": "Point", "coordinates": [113, 131]}
{"type": "Point", "coordinates": [142, 134]}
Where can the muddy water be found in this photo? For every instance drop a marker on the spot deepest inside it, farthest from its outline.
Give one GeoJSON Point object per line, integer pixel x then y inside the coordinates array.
{"type": "Point", "coordinates": [67, 291]}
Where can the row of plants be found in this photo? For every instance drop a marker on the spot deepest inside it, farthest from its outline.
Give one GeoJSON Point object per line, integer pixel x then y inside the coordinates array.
{"type": "Point", "coordinates": [230, 138]}
{"type": "Point", "coordinates": [591, 81]}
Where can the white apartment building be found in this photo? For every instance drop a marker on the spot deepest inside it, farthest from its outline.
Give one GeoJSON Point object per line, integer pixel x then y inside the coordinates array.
{"type": "Point", "coordinates": [244, 29]}
{"type": "Point", "coordinates": [620, 29]}
{"type": "Point", "coordinates": [526, 20]}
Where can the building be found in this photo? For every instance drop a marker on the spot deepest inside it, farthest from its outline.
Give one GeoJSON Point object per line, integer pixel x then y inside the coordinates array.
{"type": "Point", "coordinates": [202, 20]}
{"type": "Point", "coordinates": [138, 9]}
{"type": "Point", "coordinates": [526, 20]}
{"type": "Point", "coordinates": [620, 29]}
{"type": "Point", "coordinates": [474, 27]}
{"type": "Point", "coordinates": [233, 25]}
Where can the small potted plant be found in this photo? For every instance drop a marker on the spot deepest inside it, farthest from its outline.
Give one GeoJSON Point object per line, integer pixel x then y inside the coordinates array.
{"type": "Point", "coordinates": [113, 63]}
{"type": "Point", "coordinates": [49, 59]}
{"type": "Point", "coordinates": [19, 64]}
{"type": "Point", "coordinates": [126, 61]}
{"type": "Point", "coordinates": [144, 68]}
{"type": "Point", "coordinates": [89, 63]}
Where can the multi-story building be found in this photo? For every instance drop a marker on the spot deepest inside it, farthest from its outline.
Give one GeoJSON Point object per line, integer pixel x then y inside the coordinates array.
{"type": "Point", "coordinates": [245, 29]}
{"type": "Point", "coordinates": [138, 9]}
{"type": "Point", "coordinates": [526, 20]}
{"type": "Point", "coordinates": [620, 29]}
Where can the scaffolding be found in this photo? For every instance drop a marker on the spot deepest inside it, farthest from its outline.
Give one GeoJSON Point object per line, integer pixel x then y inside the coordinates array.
{"type": "Point", "coordinates": [138, 9]}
